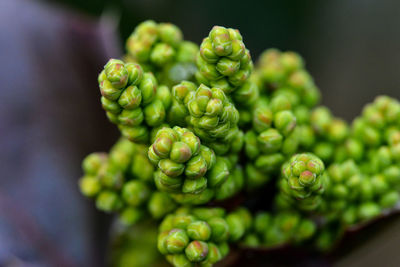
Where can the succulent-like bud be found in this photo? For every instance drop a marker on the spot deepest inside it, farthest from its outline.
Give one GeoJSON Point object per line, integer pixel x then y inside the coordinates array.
{"type": "Point", "coordinates": [176, 241]}
{"type": "Point", "coordinates": [183, 162]}
{"type": "Point", "coordinates": [212, 115]}
{"type": "Point", "coordinates": [137, 103]}
{"type": "Point", "coordinates": [90, 185]}
{"type": "Point", "coordinates": [93, 162]}
{"type": "Point", "coordinates": [108, 201]}
{"type": "Point", "coordinates": [199, 230]}
{"type": "Point", "coordinates": [223, 60]}
{"type": "Point", "coordinates": [285, 71]}
{"type": "Point", "coordinates": [303, 174]}
{"type": "Point", "coordinates": [154, 44]}
{"type": "Point", "coordinates": [196, 251]}
{"type": "Point", "coordinates": [135, 193]}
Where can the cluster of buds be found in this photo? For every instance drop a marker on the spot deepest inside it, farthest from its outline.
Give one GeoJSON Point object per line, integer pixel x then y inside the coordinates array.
{"type": "Point", "coordinates": [160, 48]}
{"type": "Point", "coordinates": [210, 114]}
{"type": "Point", "coordinates": [201, 235]}
{"type": "Point", "coordinates": [189, 171]}
{"type": "Point", "coordinates": [199, 126]}
{"type": "Point", "coordinates": [303, 182]}
{"type": "Point", "coordinates": [223, 61]}
{"type": "Point", "coordinates": [276, 70]}
{"type": "Point", "coordinates": [121, 182]}
{"type": "Point", "coordinates": [130, 99]}
{"type": "Point", "coordinates": [271, 139]}
{"type": "Point", "coordinates": [281, 228]}
{"type": "Point", "coordinates": [354, 196]}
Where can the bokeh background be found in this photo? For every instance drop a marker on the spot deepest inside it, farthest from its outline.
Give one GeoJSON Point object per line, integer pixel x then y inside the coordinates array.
{"type": "Point", "coordinates": [50, 116]}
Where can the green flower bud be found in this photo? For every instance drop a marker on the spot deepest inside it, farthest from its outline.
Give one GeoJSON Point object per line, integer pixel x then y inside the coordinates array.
{"type": "Point", "coordinates": [116, 73]}
{"type": "Point", "coordinates": [90, 186]}
{"type": "Point", "coordinates": [207, 213]}
{"type": "Point", "coordinates": [305, 230]}
{"type": "Point", "coordinates": [130, 216]}
{"type": "Point", "coordinates": [291, 61]}
{"type": "Point", "coordinates": [170, 34]}
{"type": "Point", "coordinates": [236, 226]}
{"type": "Point", "coordinates": [223, 60]}
{"type": "Point", "coordinates": [93, 162]}
{"type": "Point", "coordinates": [108, 201]}
{"type": "Point", "coordinates": [196, 251]}
{"type": "Point", "coordinates": [180, 260]}
{"type": "Point", "coordinates": [321, 119]}
{"type": "Point", "coordinates": [224, 249]}
{"type": "Point", "coordinates": [303, 173]}
{"type": "Point", "coordinates": [160, 204]}
{"type": "Point", "coordinates": [135, 193]}
{"type": "Point", "coordinates": [199, 230]}
{"type": "Point", "coordinates": [262, 119]}
{"type": "Point", "coordinates": [270, 141]}
{"type": "Point", "coordinates": [221, 41]}
{"type": "Point", "coordinates": [182, 221]}
{"type": "Point", "coordinates": [269, 163]}
{"type": "Point", "coordinates": [285, 122]}
{"type": "Point", "coordinates": [368, 210]}
{"type": "Point", "coordinates": [219, 229]}
{"type": "Point", "coordinates": [176, 241]}
{"type": "Point", "coordinates": [110, 176]}
{"type": "Point", "coordinates": [166, 183]}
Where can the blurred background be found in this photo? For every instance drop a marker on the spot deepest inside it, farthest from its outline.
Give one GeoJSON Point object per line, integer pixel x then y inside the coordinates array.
{"type": "Point", "coordinates": [50, 117]}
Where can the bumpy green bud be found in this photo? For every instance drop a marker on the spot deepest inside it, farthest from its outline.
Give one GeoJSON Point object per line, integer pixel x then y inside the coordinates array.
{"type": "Point", "coordinates": [170, 34]}
{"type": "Point", "coordinates": [137, 103]}
{"type": "Point", "coordinates": [232, 185]}
{"type": "Point", "coordinates": [303, 175]}
{"type": "Point", "coordinates": [108, 201]}
{"type": "Point", "coordinates": [176, 241]}
{"type": "Point", "coordinates": [196, 251]}
{"type": "Point", "coordinates": [285, 122]}
{"type": "Point", "coordinates": [236, 226]}
{"type": "Point", "coordinates": [321, 119]}
{"type": "Point", "coordinates": [305, 230]}
{"type": "Point", "coordinates": [219, 229]}
{"type": "Point", "coordinates": [211, 114]}
{"type": "Point", "coordinates": [270, 141]}
{"type": "Point", "coordinates": [214, 255]}
{"type": "Point", "coordinates": [180, 260]}
{"type": "Point", "coordinates": [93, 162]}
{"type": "Point", "coordinates": [135, 193]}
{"type": "Point", "coordinates": [110, 176]}
{"type": "Point", "coordinates": [368, 210]}
{"type": "Point", "coordinates": [130, 216]}
{"type": "Point", "coordinates": [161, 242]}
{"type": "Point", "coordinates": [206, 213]}
{"type": "Point", "coordinates": [90, 186]}
{"type": "Point", "coordinates": [199, 230]}
{"type": "Point", "coordinates": [246, 95]}
{"type": "Point", "coordinates": [223, 60]}
{"type": "Point", "coordinates": [389, 199]}
{"type": "Point", "coordinates": [160, 204]}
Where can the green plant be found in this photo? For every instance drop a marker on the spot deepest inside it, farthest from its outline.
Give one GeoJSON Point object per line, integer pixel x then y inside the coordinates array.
{"type": "Point", "coordinates": [201, 125]}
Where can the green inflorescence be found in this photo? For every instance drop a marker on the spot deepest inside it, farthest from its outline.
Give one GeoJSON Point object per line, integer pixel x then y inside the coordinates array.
{"type": "Point", "coordinates": [205, 134]}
